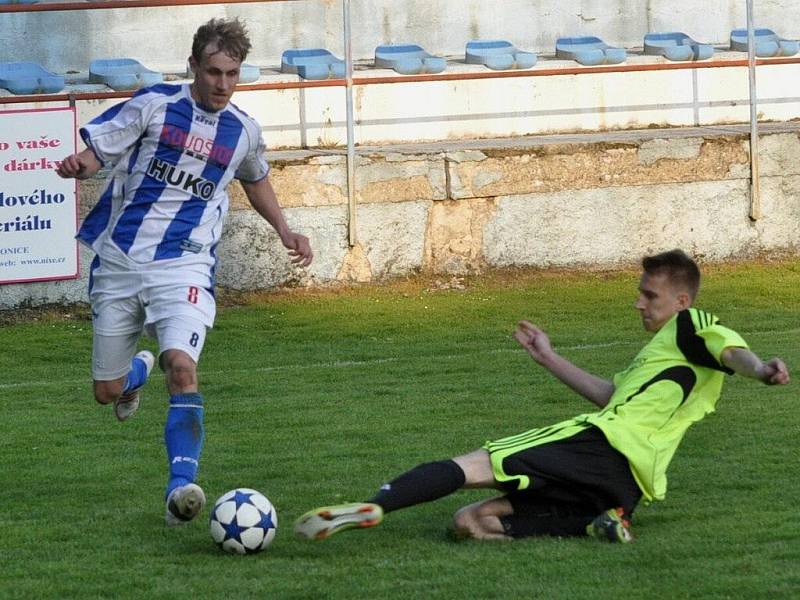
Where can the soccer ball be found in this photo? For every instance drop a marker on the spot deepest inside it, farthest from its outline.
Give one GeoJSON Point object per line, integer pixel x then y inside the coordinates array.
{"type": "Point", "coordinates": [243, 521]}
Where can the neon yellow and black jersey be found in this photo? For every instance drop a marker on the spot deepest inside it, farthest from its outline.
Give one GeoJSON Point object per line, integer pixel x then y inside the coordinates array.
{"type": "Point", "coordinates": [674, 381]}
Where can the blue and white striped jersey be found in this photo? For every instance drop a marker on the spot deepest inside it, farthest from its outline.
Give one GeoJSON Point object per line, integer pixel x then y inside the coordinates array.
{"type": "Point", "coordinates": [171, 164]}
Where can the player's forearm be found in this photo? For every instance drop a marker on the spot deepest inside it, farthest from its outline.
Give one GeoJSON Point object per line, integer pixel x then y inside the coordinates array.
{"type": "Point", "coordinates": [91, 165]}
{"type": "Point", "coordinates": [264, 201]}
{"type": "Point", "coordinates": [744, 362]}
{"type": "Point", "coordinates": [593, 388]}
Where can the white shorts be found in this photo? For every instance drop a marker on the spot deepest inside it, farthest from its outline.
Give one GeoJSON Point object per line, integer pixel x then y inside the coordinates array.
{"type": "Point", "coordinates": [165, 303]}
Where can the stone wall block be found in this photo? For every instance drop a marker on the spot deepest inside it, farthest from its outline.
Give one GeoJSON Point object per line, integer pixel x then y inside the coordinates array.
{"type": "Point", "coordinates": [307, 183]}
{"type": "Point", "coordinates": [454, 241]}
{"type": "Point", "coordinates": [617, 225]}
{"type": "Point", "coordinates": [355, 266]}
{"type": "Point", "coordinates": [398, 178]}
{"type": "Point", "coordinates": [558, 167]}
{"type": "Point", "coordinates": [251, 255]}
{"type": "Point", "coordinates": [393, 236]}
{"type": "Point", "coordinates": [651, 151]}
{"type": "Point", "coordinates": [778, 154]}
{"type": "Point", "coordinates": [780, 203]}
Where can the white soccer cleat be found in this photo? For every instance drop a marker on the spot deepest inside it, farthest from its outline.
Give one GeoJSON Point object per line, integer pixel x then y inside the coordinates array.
{"type": "Point", "coordinates": [184, 503]}
{"type": "Point", "coordinates": [321, 523]}
{"type": "Point", "coordinates": [128, 403]}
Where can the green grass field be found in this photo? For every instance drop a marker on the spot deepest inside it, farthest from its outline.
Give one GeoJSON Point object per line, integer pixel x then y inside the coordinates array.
{"type": "Point", "coordinates": [315, 398]}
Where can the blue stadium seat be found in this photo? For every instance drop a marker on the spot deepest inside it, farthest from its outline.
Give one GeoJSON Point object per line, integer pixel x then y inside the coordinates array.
{"type": "Point", "coordinates": [122, 73]}
{"type": "Point", "coordinates": [498, 55]}
{"type": "Point", "coordinates": [408, 59]}
{"type": "Point", "coordinates": [589, 50]}
{"type": "Point", "coordinates": [768, 43]}
{"type": "Point", "coordinates": [312, 63]}
{"type": "Point", "coordinates": [675, 45]}
{"type": "Point", "coordinates": [248, 73]}
{"type": "Point", "coordinates": [29, 78]}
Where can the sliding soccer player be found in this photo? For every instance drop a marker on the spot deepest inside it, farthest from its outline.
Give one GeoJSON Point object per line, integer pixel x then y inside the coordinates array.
{"type": "Point", "coordinates": [586, 475]}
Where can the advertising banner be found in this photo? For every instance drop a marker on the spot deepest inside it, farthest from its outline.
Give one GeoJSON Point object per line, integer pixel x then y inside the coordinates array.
{"type": "Point", "coordinates": [38, 209]}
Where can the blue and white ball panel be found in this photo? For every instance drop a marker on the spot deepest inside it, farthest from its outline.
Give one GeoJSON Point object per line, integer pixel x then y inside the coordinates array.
{"type": "Point", "coordinates": [243, 521]}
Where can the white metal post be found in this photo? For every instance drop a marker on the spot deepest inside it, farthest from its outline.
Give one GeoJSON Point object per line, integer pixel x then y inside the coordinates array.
{"type": "Point", "coordinates": [755, 192]}
{"type": "Point", "coordinates": [351, 151]}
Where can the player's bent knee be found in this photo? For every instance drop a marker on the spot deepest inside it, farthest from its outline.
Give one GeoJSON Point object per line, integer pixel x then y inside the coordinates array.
{"type": "Point", "coordinates": [465, 523]}
{"type": "Point", "coordinates": [482, 520]}
{"type": "Point", "coordinates": [105, 392]}
{"type": "Point", "coordinates": [180, 369]}
{"type": "Point", "coordinates": [461, 518]}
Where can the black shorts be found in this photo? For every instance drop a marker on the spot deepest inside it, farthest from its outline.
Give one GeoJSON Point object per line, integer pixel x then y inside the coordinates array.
{"type": "Point", "coordinates": [570, 482]}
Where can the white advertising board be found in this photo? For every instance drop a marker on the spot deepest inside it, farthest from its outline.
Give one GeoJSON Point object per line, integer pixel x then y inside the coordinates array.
{"type": "Point", "coordinates": [38, 209]}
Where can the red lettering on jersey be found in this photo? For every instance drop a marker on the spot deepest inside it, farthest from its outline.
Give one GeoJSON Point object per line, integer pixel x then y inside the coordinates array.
{"type": "Point", "coordinates": [205, 147]}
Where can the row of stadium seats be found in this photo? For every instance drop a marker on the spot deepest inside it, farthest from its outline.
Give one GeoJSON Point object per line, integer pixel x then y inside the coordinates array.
{"type": "Point", "coordinates": [406, 59]}
{"type": "Point", "coordinates": [116, 73]}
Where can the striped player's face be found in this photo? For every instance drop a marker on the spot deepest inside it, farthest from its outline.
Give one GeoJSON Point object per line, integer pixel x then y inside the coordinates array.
{"type": "Point", "coordinates": [215, 77]}
{"type": "Point", "coordinates": [659, 300]}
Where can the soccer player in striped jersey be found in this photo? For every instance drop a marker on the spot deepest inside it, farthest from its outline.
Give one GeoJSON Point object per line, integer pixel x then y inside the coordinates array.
{"type": "Point", "coordinates": [172, 150]}
{"type": "Point", "coordinates": [587, 474]}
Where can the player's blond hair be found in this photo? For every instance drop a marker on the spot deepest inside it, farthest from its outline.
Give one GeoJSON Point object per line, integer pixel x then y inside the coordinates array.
{"type": "Point", "coordinates": [226, 35]}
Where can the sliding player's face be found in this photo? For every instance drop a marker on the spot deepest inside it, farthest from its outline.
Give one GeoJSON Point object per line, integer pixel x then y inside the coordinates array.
{"type": "Point", "coordinates": [659, 300]}
{"type": "Point", "coordinates": [215, 77]}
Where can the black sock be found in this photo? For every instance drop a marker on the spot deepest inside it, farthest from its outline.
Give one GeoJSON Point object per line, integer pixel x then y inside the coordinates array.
{"type": "Point", "coordinates": [423, 483]}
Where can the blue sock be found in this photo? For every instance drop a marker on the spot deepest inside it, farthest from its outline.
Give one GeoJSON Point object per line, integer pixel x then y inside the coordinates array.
{"type": "Point", "coordinates": [137, 376]}
{"type": "Point", "coordinates": [183, 435]}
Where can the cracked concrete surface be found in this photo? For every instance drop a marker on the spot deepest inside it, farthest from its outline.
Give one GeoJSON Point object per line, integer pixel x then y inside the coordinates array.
{"type": "Point", "coordinates": [593, 201]}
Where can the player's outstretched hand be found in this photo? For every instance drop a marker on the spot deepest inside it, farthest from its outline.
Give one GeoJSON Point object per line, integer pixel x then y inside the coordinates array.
{"type": "Point", "coordinates": [533, 339]}
{"type": "Point", "coordinates": [79, 166]}
{"type": "Point", "coordinates": [299, 249]}
{"type": "Point", "coordinates": [775, 372]}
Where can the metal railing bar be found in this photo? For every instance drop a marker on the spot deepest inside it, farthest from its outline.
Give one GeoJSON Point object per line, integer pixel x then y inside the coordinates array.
{"type": "Point", "coordinates": [62, 6]}
{"type": "Point", "coordinates": [549, 72]}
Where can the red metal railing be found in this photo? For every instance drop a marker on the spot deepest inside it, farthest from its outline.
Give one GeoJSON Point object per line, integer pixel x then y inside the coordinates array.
{"type": "Point", "coordinates": [534, 72]}
{"type": "Point", "coordinates": [52, 6]}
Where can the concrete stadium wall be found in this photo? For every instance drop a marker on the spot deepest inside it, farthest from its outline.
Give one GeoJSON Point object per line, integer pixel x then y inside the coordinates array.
{"type": "Point", "coordinates": [431, 111]}
{"type": "Point", "coordinates": [161, 37]}
{"type": "Point", "coordinates": [572, 202]}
